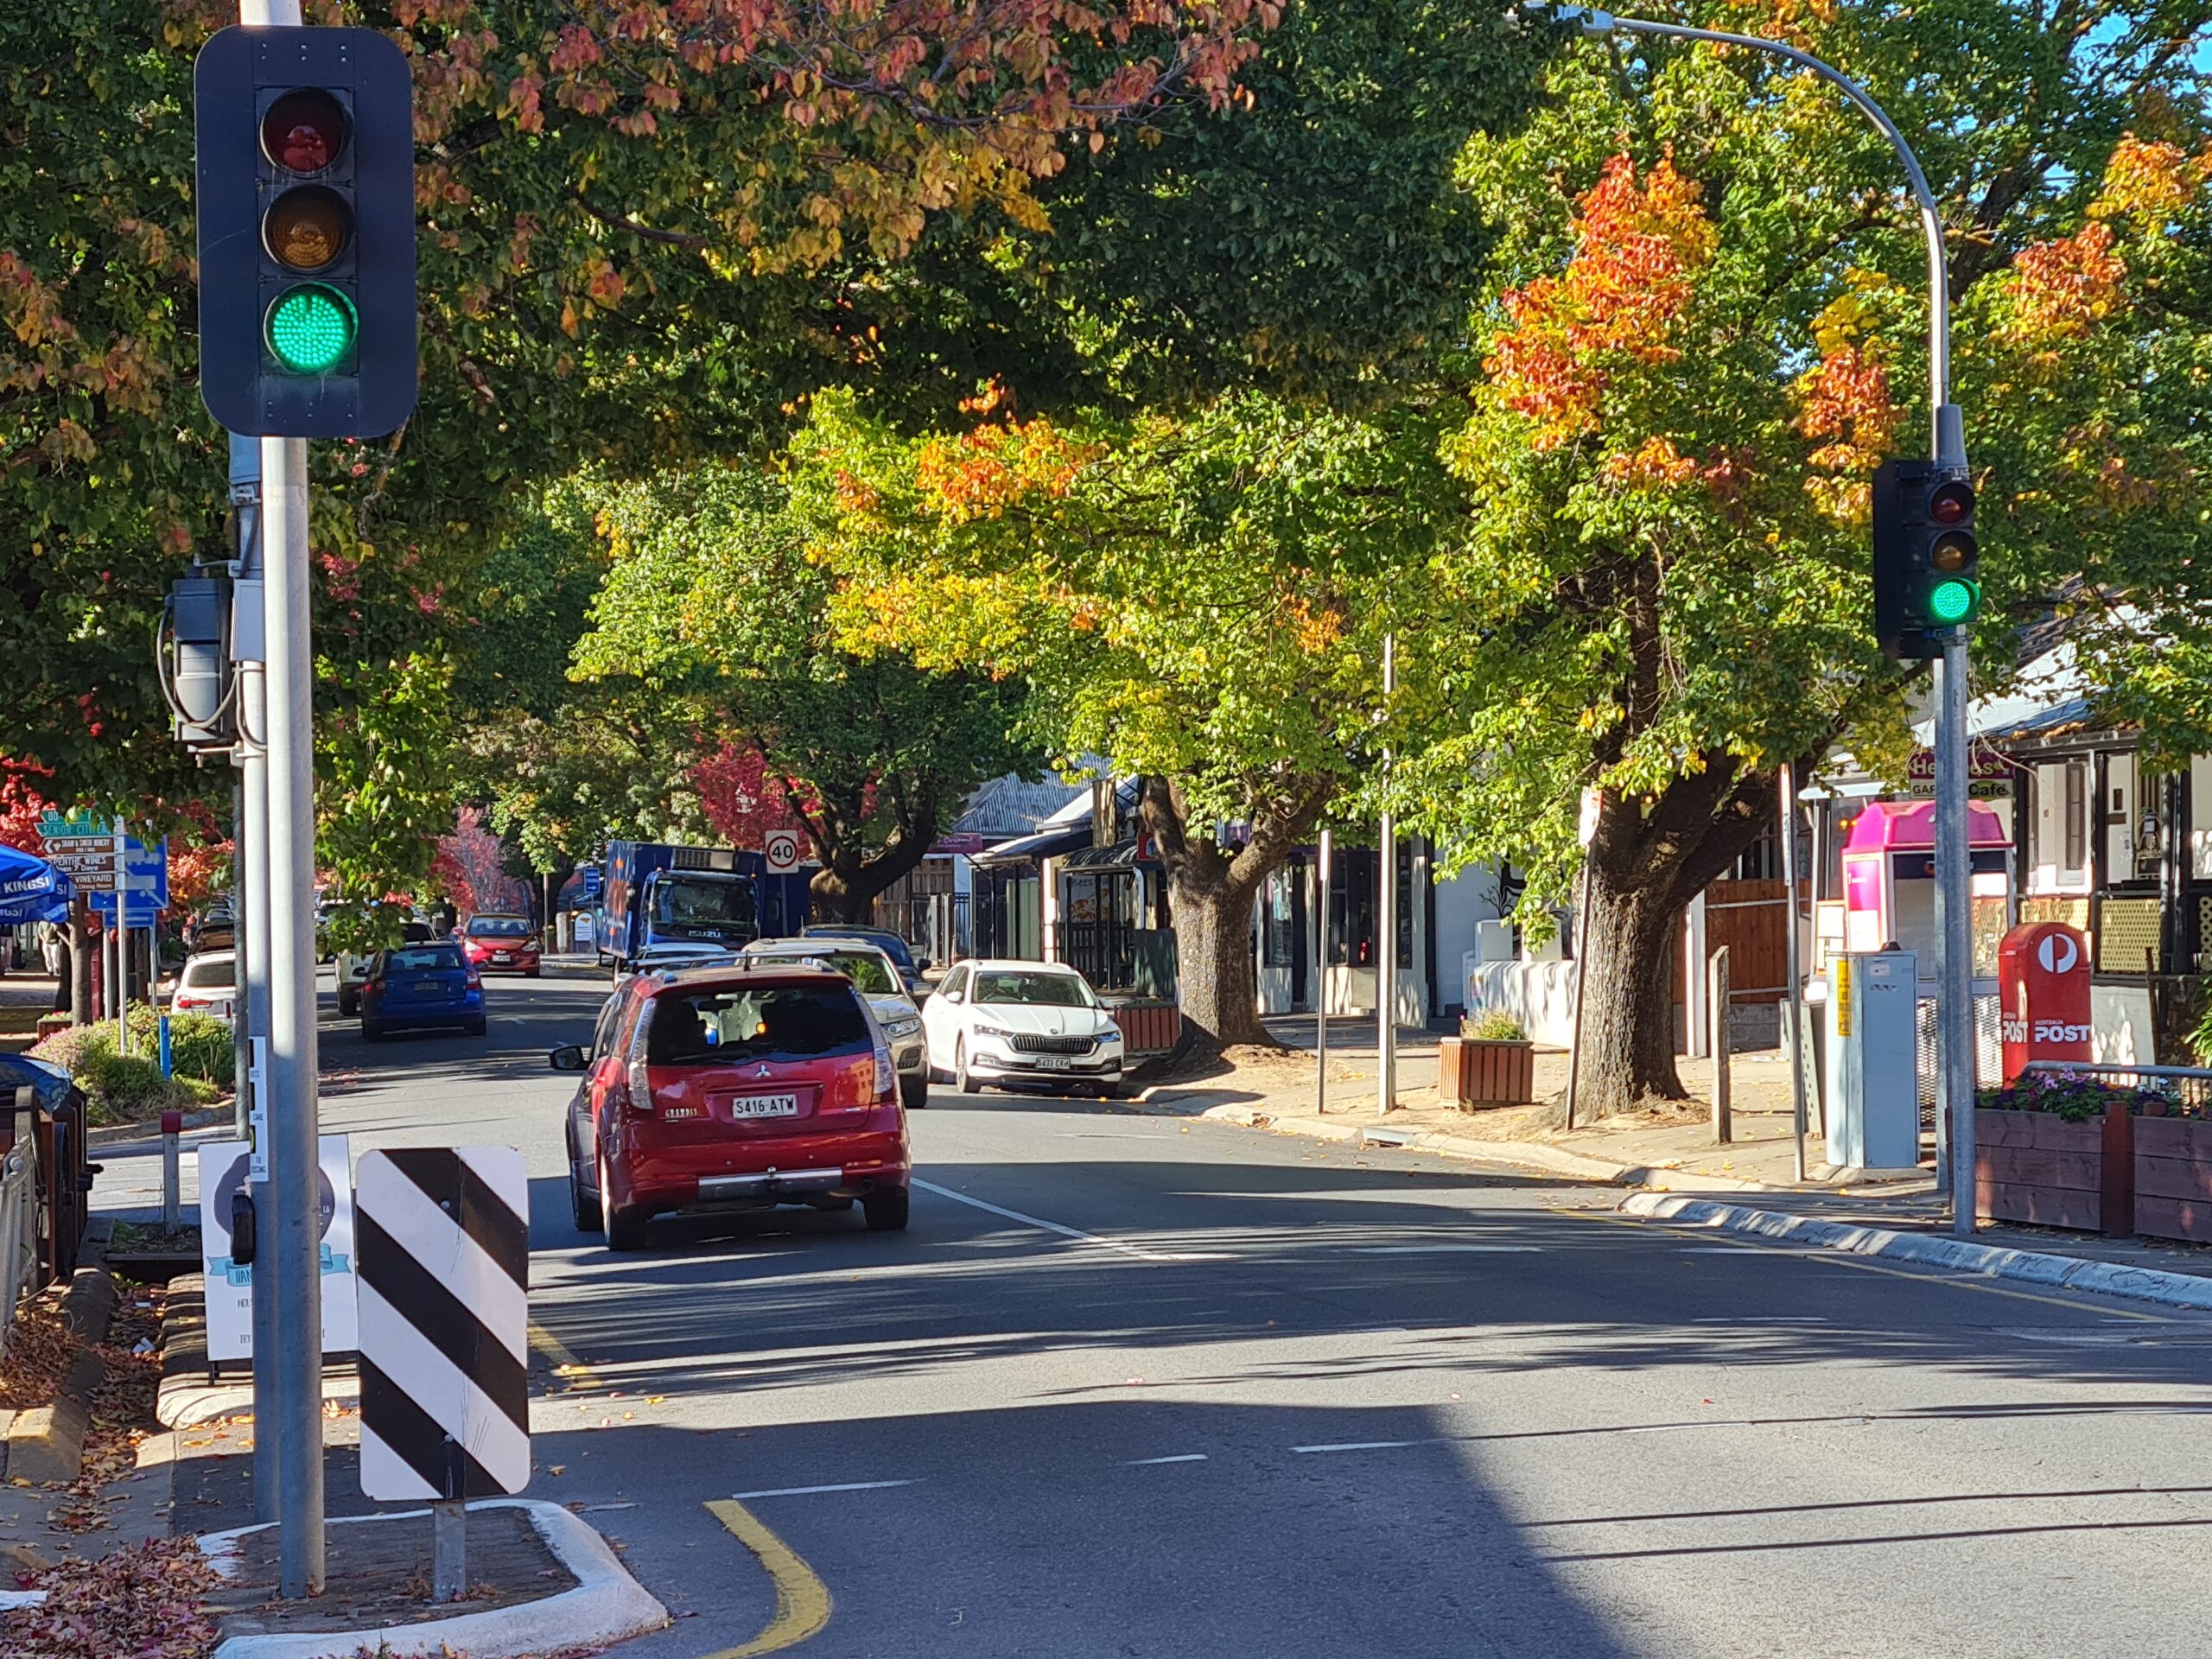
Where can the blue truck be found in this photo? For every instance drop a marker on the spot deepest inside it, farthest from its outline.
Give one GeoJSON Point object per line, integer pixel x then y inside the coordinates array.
{"type": "Point", "coordinates": [657, 897]}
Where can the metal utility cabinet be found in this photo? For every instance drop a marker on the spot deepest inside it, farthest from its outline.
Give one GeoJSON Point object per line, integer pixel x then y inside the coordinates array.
{"type": "Point", "coordinates": [1873, 1103]}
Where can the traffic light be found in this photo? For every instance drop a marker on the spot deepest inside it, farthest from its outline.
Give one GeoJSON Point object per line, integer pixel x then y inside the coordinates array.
{"type": "Point", "coordinates": [1925, 556]}
{"type": "Point", "coordinates": [307, 232]}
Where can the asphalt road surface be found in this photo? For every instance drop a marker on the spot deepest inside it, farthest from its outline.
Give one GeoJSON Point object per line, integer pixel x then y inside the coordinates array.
{"type": "Point", "coordinates": [1135, 1386]}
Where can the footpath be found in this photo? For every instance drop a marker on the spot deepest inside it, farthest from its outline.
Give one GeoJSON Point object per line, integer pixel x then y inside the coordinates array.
{"type": "Point", "coordinates": [1681, 1176]}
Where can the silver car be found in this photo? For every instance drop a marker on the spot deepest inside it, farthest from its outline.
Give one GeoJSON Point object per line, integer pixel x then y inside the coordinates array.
{"type": "Point", "coordinates": [876, 977]}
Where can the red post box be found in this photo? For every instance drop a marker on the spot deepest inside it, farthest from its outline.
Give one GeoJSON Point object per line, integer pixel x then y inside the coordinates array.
{"type": "Point", "coordinates": [2043, 982]}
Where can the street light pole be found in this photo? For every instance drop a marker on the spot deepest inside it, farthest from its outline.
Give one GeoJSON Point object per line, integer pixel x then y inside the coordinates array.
{"type": "Point", "coordinates": [1954, 912]}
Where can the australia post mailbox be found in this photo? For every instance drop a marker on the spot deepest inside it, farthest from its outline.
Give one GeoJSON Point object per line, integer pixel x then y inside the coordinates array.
{"type": "Point", "coordinates": [2042, 981]}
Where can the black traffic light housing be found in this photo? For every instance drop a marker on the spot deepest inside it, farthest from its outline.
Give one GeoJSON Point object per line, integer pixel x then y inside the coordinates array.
{"type": "Point", "coordinates": [307, 232]}
{"type": "Point", "coordinates": [1926, 558]}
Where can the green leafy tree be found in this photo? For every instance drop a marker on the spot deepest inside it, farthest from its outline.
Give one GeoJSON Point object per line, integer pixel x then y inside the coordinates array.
{"type": "Point", "coordinates": [713, 603]}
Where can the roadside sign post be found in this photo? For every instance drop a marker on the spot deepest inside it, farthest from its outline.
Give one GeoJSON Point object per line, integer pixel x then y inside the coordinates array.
{"type": "Point", "coordinates": [1321, 994]}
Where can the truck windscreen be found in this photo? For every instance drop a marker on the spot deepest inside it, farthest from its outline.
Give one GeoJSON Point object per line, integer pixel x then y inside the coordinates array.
{"type": "Point", "coordinates": [702, 901]}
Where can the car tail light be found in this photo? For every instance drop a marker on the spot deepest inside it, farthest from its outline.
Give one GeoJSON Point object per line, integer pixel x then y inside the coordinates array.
{"type": "Point", "coordinates": [476, 980]}
{"type": "Point", "coordinates": [641, 1088]}
{"type": "Point", "coordinates": [886, 1074]}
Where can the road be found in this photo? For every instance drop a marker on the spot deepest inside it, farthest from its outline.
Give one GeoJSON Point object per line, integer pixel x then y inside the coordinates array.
{"type": "Point", "coordinates": [1135, 1386]}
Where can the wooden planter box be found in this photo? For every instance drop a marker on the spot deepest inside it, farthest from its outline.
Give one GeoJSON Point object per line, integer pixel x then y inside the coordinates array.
{"type": "Point", "coordinates": [1147, 1029]}
{"type": "Point", "coordinates": [2038, 1168]}
{"type": "Point", "coordinates": [2173, 1177]}
{"type": "Point", "coordinates": [1475, 1071]}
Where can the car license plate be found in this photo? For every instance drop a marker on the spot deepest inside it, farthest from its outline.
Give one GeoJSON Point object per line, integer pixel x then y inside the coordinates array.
{"type": "Point", "coordinates": [429, 990]}
{"type": "Point", "coordinates": [501, 955]}
{"type": "Point", "coordinates": [1051, 1062]}
{"type": "Point", "coordinates": [765, 1106]}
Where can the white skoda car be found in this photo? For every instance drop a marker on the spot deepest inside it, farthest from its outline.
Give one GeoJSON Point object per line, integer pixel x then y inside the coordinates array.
{"type": "Point", "coordinates": [1002, 1022]}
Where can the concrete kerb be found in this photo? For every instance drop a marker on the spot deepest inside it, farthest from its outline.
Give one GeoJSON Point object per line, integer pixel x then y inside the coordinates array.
{"type": "Point", "coordinates": [1958, 1254]}
{"type": "Point", "coordinates": [47, 1443]}
{"type": "Point", "coordinates": [607, 1605]}
{"type": "Point", "coordinates": [1527, 1155]}
{"type": "Point", "coordinates": [190, 1394]}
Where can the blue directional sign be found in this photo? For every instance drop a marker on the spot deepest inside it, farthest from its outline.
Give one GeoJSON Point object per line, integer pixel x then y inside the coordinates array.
{"type": "Point", "coordinates": [148, 872]}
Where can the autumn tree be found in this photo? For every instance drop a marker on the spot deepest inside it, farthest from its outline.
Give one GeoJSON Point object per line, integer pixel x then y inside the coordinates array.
{"type": "Point", "coordinates": [1200, 599]}
{"type": "Point", "coordinates": [1702, 333]}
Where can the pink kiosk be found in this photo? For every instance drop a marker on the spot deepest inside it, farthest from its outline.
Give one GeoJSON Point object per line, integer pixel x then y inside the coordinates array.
{"type": "Point", "coordinates": [1888, 882]}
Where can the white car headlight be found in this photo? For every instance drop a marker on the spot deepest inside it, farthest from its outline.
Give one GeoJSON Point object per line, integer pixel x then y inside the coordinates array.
{"type": "Point", "coordinates": [905, 1027]}
{"type": "Point", "coordinates": [994, 1033]}
{"type": "Point", "coordinates": [1110, 1034]}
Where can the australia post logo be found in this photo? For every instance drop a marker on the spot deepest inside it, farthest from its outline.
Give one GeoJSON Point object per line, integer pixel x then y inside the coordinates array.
{"type": "Point", "coordinates": [2047, 1031]}
{"type": "Point", "coordinates": [2057, 953]}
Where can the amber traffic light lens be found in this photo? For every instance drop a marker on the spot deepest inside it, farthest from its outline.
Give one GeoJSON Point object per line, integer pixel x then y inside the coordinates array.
{"type": "Point", "coordinates": [304, 131]}
{"type": "Point", "coordinates": [306, 229]}
{"type": "Point", "coordinates": [1952, 552]}
{"type": "Point", "coordinates": [1951, 505]}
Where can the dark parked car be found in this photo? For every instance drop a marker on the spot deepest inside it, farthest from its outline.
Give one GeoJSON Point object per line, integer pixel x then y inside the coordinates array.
{"type": "Point", "coordinates": [901, 953]}
{"type": "Point", "coordinates": [422, 985]}
{"type": "Point", "coordinates": [730, 1089]}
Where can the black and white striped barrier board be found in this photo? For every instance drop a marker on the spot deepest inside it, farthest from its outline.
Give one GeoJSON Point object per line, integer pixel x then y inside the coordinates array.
{"type": "Point", "coordinates": [444, 1244]}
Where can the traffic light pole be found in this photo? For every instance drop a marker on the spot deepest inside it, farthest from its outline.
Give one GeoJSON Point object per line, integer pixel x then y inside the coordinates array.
{"type": "Point", "coordinates": [1954, 862]}
{"type": "Point", "coordinates": [294, 1234]}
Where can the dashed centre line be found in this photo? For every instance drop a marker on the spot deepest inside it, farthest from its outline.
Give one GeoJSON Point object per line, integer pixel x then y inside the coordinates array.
{"type": "Point", "coordinates": [1080, 1237]}
{"type": "Point", "coordinates": [809, 1491]}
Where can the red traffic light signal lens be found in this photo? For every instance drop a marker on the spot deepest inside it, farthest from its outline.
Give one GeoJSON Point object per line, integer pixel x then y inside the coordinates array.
{"type": "Point", "coordinates": [304, 131]}
{"type": "Point", "coordinates": [1952, 503]}
{"type": "Point", "coordinates": [1952, 551]}
{"type": "Point", "coordinates": [306, 229]}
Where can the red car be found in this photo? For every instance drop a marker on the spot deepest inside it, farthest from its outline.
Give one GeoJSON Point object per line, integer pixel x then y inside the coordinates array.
{"type": "Point", "coordinates": [501, 944]}
{"type": "Point", "coordinates": [734, 1088]}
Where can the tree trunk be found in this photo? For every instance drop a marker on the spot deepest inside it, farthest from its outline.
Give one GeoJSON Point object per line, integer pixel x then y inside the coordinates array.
{"type": "Point", "coordinates": [1647, 862]}
{"type": "Point", "coordinates": [1210, 891]}
{"type": "Point", "coordinates": [845, 887]}
{"type": "Point", "coordinates": [81, 946]}
{"type": "Point", "coordinates": [1214, 973]}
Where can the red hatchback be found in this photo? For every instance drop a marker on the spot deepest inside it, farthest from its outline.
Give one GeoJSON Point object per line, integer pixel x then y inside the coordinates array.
{"type": "Point", "coordinates": [502, 944]}
{"type": "Point", "coordinates": [719, 1089]}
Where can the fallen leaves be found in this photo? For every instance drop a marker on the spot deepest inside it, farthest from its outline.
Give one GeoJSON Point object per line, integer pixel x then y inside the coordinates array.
{"type": "Point", "coordinates": [147, 1601]}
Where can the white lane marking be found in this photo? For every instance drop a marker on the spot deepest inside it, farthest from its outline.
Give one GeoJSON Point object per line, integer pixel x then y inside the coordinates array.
{"type": "Point", "coordinates": [1447, 1249]}
{"type": "Point", "coordinates": [1146, 1463]}
{"type": "Point", "coordinates": [1778, 1318]}
{"type": "Point", "coordinates": [1739, 1249]}
{"type": "Point", "coordinates": [1357, 1445]}
{"type": "Point", "coordinates": [1139, 1252]}
{"type": "Point", "coordinates": [809, 1491]}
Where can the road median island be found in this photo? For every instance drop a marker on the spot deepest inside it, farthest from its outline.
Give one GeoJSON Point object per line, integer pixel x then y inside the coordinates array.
{"type": "Point", "coordinates": [541, 1581]}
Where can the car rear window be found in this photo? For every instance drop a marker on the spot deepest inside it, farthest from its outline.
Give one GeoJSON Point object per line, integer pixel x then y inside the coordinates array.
{"type": "Point", "coordinates": [868, 970]}
{"type": "Point", "coordinates": [422, 959]}
{"type": "Point", "coordinates": [497, 927]}
{"type": "Point", "coordinates": [780, 1022]}
{"type": "Point", "coordinates": [210, 976]}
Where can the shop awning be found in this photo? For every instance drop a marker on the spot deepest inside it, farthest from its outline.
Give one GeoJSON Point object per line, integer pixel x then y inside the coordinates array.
{"type": "Point", "coordinates": [1122, 856]}
{"type": "Point", "coordinates": [1045, 844]}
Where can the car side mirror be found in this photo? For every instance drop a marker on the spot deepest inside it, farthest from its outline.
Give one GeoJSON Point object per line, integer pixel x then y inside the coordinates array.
{"type": "Point", "coordinates": [569, 1056]}
{"type": "Point", "coordinates": [921, 964]}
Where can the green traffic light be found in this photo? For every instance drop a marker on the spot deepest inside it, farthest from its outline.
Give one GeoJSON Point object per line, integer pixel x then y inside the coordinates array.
{"type": "Point", "coordinates": [1951, 602]}
{"type": "Point", "coordinates": [311, 329]}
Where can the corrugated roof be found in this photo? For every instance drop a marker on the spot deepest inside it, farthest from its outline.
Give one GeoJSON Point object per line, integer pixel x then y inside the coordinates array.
{"type": "Point", "coordinates": [1013, 805]}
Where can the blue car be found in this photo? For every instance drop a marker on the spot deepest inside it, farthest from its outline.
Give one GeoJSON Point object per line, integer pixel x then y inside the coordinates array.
{"type": "Point", "coordinates": [422, 985]}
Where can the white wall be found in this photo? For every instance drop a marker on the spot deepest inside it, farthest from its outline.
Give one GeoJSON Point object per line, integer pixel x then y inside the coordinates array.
{"type": "Point", "coordinates": [1540, 994]}
{"type": "Point", "coordinates": [1468, 898]}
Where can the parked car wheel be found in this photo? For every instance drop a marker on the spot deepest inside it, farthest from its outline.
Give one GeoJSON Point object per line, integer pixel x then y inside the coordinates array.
{"type": "Point", "coordinates": [624, 1224]}
{"type": "Point", "coordinates": [534, 973]}
{"type": "Point", "coordinates": [372, 1031]}
{"type": "Point", "coordinates": [968, 1084]}
{"type": "Point", "coordinates": [886, 1210]}
{"type": "Point", "coordinates": [584, 1205]}
{"type": "Point", "coordinates": [349, 1001]}
{"type": "Point", "coordinates": [915, 1091]}
{"type": "Point", "coordinates": [476, 1027]}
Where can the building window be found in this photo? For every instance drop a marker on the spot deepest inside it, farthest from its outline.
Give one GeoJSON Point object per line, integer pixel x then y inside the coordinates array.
{"type": "Point", "coordinates": [2077, 814]}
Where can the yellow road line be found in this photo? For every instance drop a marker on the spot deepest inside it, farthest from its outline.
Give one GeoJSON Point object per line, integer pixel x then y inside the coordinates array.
{"type": "Point", "coordinates": [1960, 1277]}
{"type": "Point", "coordinates": [803, 1603]}
{"type": "Point", "coordinates": [566, 1365]}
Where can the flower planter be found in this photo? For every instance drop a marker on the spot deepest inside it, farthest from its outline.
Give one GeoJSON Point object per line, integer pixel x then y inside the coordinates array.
{"type": "Point", "coordinates": [1480, 1071]}
{"type": "Point", "coordinates": [2037, 1168]}
{"type": "Point", "coordinates": [2173, 1177]}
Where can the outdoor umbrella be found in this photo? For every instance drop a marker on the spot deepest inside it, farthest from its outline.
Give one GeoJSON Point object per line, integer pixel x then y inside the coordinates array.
{"type": "Point", "coordinates": [31, 890]}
